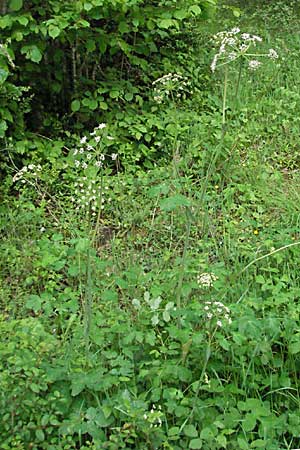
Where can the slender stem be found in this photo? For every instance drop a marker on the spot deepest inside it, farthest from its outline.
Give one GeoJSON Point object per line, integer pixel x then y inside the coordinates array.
{"type": "Point", "coordinates": [239, 78]}
{"type": "Point", "coordinates": [224, 99]}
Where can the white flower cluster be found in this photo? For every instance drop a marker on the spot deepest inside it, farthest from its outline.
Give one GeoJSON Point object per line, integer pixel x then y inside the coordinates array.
{"type": "Point", "coordinates": [206, 279]}
{"type": "Point", "coordinates": [217, 310]}
{"type": "Point", "coordinates": [30, 170]}
{"type": "Point", "coordinates": [233, 45]}
{"type": "Point", "coordinates": [171, 85]}
{"type": "Point", "coordinates": [89, 153]}
{"type": "Point", "coordinates": [89, 195]}
{"type": "Point", "coordinates": [154, 417]}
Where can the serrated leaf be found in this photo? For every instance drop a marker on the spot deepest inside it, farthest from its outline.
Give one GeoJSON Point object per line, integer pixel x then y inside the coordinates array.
{"type": "Point", "coordinates": [15, 5]}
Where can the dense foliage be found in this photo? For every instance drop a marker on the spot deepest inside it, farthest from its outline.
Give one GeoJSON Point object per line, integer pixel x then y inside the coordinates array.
{"type": "Point", "coordinates": [149, 223]}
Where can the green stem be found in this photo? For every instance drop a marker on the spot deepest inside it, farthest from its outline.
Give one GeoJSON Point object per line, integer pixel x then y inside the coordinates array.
{"type": "Point", "coordinates": [224, 99]}
{"type": "Point", "coordinates": [239, 78]}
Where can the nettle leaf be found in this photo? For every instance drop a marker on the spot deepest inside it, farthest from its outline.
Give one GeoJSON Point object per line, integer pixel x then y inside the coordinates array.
{"type": "Point", "coordinates": [15, 5]}
{"type": "Point", "coordinates": [173, 202]}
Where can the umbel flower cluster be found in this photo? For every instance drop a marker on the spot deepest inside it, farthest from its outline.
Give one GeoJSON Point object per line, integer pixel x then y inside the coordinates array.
{"type": "Point", "coordinates": [171, 86]}
{"type": "Point", "coordinates": [89, 195]}
{"type": "Point", "coordinates": [27, 172]}
{"type": "Point", "coordinates": [89, 191]}
{"type": "Point", "coordinates": [218, 311]}
{"type": "Point", "coordinates": [206, 280]}
{"type": "Point", "coordinates": [90, 152]}
{"type": "Point", "coordinates": [234, 45]}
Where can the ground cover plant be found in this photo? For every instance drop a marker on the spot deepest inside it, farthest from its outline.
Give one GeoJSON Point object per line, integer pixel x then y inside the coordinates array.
{"type": "Point", "coordinates": [149, 223]}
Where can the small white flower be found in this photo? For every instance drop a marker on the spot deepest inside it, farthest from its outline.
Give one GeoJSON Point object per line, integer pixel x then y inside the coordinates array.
{"type": "Point", "coordinates": [81, 150]}
{"type": "Point", "coordinates": [219, 323]}
{"type": "Point", "coordinates": [114, 156]}
{"type": "Point", "coordinates": [101, 126]}
{"type": "Point", "coordinates": [97, 139]}
{"type": "Point", "coordinates": [272, 54]}
{"type": "Point", "coordinates": [83, 140]}
{"type": "Point", "coordinates": [254, 64]}
{"type": "Point", "coordinates": [77, 163]}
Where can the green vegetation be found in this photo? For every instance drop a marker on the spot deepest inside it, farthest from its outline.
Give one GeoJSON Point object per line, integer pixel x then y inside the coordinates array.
{"type": "Point", "coordinates": [149, 286]}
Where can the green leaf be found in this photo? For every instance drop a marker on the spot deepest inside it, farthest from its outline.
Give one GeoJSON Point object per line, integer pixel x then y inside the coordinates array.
{"type": "Point", "coordinates": [190, 431]}
{"type": "Point", "coordinates": [54, 31]}
{"type": "Point", "coordinates": [195, 444]}
{"type": "Point", "coordinates": [294, 347]}
{"type": "Point", "coordinates": [249, 422]}
{"type": "Point", "coordinates": [167, 23]}
{"type": "Point", "coordinates": [40, 436]}
{"type": "Point", "coordinates": [171, 203]}
{"type": "Point", "coordinates": [15, 5]}
{"type": "Point", "coordinates": [75, 105]}
{"type": "Point", "coordinates": [195, 9]}
{"type": "Point", "coordinates": [3, 74]}
{"type": "Point", "coordinates": [180, 14]}
{"type": "Point", "coordinates": [103, 105]}
{"type": "Point", "coordinates": [32, 52]}
{"type": "Point", "coordinates": [34, 302]}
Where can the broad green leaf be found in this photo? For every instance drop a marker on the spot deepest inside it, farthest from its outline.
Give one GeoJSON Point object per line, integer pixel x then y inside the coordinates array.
{"type": "Point", "coordinates": [40, 436]}
{"type": "Point", "coordinates": [180, 14]}
{"type": "Point", "coordinates": [171, 203]}
{"type": "Point", "coordinates": [190, 431]}
{"type": "Point", "coordinates": [75, 105]}
{"type": "Point", "coordinates": [249, 422]}
{"type": "Point", "coordinates": [195, 444]}
{"type": "Point", "coordinates": [32, 52]}
{"type": "Point", "coordinates": [88, 6]}
{"type": "Point", "coordinates": [34, 302]}
{"type": "Point", "coordinates": [54, 31]}
{"type": "Point", "coordinates": [195, 9]}
{"type": "Point", "coordinates": [294, 347]}
{"type": "Point", "coordinates": [167, 23]}
{"type": "Point", "coordinates": [3, 74]}
{"type": "Point", "coordinates": [15, 5]}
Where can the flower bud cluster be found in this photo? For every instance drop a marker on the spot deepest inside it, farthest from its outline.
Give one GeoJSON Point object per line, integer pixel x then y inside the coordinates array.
{"type": "Point", "coordinates": [218, 311]}
{"type": "Point", "coordinates": [206, 279]}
